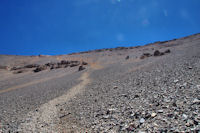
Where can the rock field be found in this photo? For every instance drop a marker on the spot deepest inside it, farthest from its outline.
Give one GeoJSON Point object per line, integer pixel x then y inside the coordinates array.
{"type": "Point", "coordinates": [151, 88]}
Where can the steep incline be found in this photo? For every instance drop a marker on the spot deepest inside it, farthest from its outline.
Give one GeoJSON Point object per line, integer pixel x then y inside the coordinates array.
{"type": "Point", "coordinates": [153, 88]}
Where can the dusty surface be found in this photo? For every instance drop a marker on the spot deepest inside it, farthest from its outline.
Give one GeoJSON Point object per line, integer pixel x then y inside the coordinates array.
{"type": "Point", "coordinates": [119, 90]}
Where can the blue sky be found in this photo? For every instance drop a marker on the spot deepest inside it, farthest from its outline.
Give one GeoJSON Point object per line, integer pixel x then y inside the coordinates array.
{"type": "Point", "coordinates": [32, 27]}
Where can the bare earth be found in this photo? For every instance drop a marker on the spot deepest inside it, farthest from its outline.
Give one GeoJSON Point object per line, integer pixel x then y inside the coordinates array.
{"type": "Point", "coordinates": [135, 89]}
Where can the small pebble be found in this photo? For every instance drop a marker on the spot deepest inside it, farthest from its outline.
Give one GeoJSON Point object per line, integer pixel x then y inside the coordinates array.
{"type": "Point", "coordinates": [160, 111]}
{"type": "Point", "coordinates": [196, 101]}
{"type": "Point", "coordinates": [176, 80]}
{"type": "Point", "coordinates": [142, 120]}
{"type": "Point", "coordinates": [185, 116]}
{"type": "Point", "coordinates": [153, 114]}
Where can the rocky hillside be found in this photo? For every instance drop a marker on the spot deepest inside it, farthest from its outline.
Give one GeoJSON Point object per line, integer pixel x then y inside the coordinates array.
{"type": "Point", "coordinates": [151, 88]}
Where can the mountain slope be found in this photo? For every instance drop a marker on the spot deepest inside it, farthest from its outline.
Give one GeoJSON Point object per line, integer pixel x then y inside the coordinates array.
{"type": "Point", "coordinates": [152, 88]}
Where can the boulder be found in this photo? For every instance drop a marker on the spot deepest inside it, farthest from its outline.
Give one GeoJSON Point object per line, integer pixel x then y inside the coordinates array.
{"type": "Point", "coordinates": [40, 68]}
{"type": "Point", "coordinates": [157, 53]}
{"type": "Point", "coordinates": [127, 57]}
{"type": "Point", "coordinates": [81, 68]}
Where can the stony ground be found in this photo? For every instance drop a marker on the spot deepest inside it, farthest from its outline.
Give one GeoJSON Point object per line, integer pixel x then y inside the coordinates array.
{"type": "Point", "coordinates": [121, 90]}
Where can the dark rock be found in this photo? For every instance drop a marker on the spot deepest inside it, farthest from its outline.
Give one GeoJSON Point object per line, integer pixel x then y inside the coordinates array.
{"type": "Point", "coordinates": [60, 65]}
{"type": "Point", "coordinates": [74, 63]}
{"type": "Point", "coordinates": [50, 64]}
{"type": "Point", "coordinates": [162, 53]}
{"type": "Point", "coordinates": [31, 66]}
{"type": "Point", "coordinates": [157, 53]}
{"type": "Point", "coordinates": [64, 115]}
{"type": "Point", "coordinates": [84, 63]}
{"type": "Point", "coordinates": [147, 116]}
{"type": "Point", "coordinates": [16, 68]}
{"type": "Point", "coordinates": [115, 87]}
{"type": "Point", "coordinates": [18, 72]}
{"type": "Point", "coordinates": [174, 104]}
{"type": "Point", "coordinates": [195, 122]}
{"type": "Point", "coordinates": [81, 68]}
{"type": "Point", "coordinates": [65, 62]}
{"type": "Point", "coordinates": [127, 57]}
{"type": "Point", "coordinates": [145, 55]}
{"type": "Point", "coordinates": [136, 96]}
{"type": "Point", "coordinates": [168, 51]}
{"type": "Point", "coordinates": [137, 115]}
{"type": "Point", "coordinates": [40, 68]}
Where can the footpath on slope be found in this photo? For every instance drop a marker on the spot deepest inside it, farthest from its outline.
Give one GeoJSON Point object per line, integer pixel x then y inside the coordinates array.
{"type": "Point", "coordinates": [46, 118]}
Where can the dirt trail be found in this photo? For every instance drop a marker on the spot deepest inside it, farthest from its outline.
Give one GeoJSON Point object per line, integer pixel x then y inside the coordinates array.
{"type": "Point", "coordinates": [46, 119]}
{"type": "Point", "coordinates": [47, 115]}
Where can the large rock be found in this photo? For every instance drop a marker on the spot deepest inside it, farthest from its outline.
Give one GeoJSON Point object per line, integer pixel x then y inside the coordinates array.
{"type": "Point", "coordinates": [40, 68]}
{"type": "Point", "coordinates": [127, 57]}
{"type": "Point", "coordinates": [81, 68]}
{"type": "Point", "coordinates": [157, 53]}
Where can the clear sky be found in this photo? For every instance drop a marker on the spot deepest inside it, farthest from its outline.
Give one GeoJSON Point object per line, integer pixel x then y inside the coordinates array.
{"type": "Point", "coordinates": [32, 27]}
